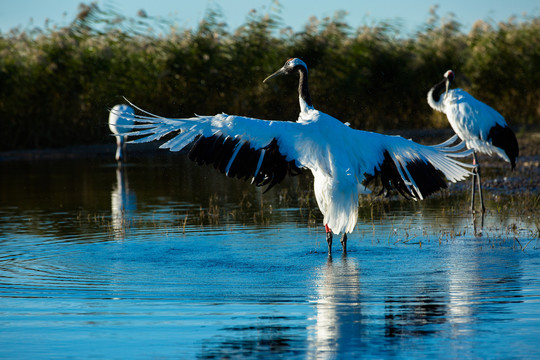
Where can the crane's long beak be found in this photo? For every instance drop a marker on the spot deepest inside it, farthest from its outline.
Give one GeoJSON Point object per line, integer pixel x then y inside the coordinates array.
{"type": "Point", "coordinates": [447, 86]}
{"type": "Point", "coordinates": [277, 73]}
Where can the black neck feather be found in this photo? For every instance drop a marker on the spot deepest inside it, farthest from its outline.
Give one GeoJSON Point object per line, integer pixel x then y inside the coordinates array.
{"type": "Point", "coordinates": [303, 89]}
{"type": "Point", "coordinates": [438, 89]}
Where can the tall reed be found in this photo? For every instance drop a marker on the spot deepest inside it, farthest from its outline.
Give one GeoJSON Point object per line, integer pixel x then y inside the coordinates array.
{"type": "Point", "coordinates": [56, 83]}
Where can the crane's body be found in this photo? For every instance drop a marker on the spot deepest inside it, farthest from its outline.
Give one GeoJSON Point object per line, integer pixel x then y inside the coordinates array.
{"type": "Point", "coordinates": [120, 123]}
{"type": "Point", "coordinates": [481, 127]}
{"type": "Point", "coordinates": [342, 160]}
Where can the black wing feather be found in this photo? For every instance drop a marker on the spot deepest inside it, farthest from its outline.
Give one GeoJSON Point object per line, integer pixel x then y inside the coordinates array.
{"type": "Point", "coordinates": [427, 178]}
{"type": "Point", "coordinates": [218, 151]}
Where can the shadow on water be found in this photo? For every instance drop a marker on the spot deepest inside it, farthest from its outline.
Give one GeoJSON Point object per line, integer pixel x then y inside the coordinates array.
{"type": "Point", "coordinates": [161, 258]}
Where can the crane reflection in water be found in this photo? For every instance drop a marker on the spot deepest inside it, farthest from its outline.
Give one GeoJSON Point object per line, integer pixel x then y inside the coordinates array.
{"type": "Point", "coordinates": [123, 203]}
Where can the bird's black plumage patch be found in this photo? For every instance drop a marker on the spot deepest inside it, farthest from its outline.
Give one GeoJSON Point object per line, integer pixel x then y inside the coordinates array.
{"type": "Point", "coordinates": [438, 89]}
{"type": "Point", "coordinates": [388, 176]}
{"type": "Point", "coordinates": [219, 149]}
{"type": "Point", "coordinates": [427, 178]}
{"type": "Point", "coordinates": [504, 138]}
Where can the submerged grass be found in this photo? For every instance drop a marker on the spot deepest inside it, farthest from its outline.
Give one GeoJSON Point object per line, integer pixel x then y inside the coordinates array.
{"type": "Point", "coordinates": [387, 221]}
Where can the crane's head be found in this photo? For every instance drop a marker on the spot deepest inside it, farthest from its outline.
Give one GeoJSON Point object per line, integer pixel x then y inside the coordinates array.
{"type": "Point", "coordinates": [290, 66]}
{"type": "Point", "coordinates": [449, 76]}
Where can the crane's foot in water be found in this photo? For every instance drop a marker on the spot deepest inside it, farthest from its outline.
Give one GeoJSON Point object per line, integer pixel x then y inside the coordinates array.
{"type": "Point", "coordinates": [344, 242]}
{"type": "Point", "coordinates": [328, 238]}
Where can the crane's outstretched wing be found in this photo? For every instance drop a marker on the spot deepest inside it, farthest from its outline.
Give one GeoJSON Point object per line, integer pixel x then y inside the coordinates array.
{"type": "Point", "coordinates": [266, 151]}
{"type": "Point", "coordinates": [415, 170]}
{"type": "Point", "coordinates": [241, 147]}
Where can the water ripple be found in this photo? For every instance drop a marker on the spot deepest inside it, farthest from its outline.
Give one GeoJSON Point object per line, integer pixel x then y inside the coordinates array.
{"type": "Point", "coordinates": [129, 268]}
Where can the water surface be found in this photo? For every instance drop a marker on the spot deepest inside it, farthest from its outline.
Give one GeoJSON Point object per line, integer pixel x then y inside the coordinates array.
{"type": "Point", "coordinates": [161, 258]}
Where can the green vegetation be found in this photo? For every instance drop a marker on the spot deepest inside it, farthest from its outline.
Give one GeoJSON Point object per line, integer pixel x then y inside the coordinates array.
{"type": "Point", "coordinates": [57, 83]}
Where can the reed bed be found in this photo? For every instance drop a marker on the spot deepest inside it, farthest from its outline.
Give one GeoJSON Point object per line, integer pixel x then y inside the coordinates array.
{"type": "Point", "coordinates": [56, 83]}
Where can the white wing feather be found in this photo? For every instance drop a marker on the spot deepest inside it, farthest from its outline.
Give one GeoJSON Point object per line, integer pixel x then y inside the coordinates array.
{"type": "Point", "coordinates": [338, 156]}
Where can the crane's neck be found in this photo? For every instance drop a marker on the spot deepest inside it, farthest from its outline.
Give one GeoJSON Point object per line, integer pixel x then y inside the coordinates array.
{"type": "Point", "coordinates": [303, 90]}
{"type": "Point", "coordinates": [435, 98]}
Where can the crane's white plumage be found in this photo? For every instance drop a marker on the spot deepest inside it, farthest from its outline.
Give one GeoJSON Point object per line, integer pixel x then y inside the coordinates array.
{"type": "Point", "coordinates": [120, 123]}
{"type": "Point", "coordinates": [471, 119]}
{"type": "Point", "coordinates": [482, 128]}
{"type": "Point", "coordinates": [342, 160]}
{"type": "Point", "coordinates": [339, 157]}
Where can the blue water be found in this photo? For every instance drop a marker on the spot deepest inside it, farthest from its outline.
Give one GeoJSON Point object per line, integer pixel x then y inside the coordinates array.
{"type": "Point", "coordinates": [166, 260]}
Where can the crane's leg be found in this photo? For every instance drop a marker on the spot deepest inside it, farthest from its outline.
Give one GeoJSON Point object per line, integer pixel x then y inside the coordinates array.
{"type": "Point", "coordinates": [475, 171]}
{"type": "Point", "coordinates": [344, 242]}
{"type": "Point", "coordinates": [479, 185]}
{"type": "Point", "coordinates": [476, 175]}
{"type": "Point", "coordinates": [328, 238]}
{"type": "Point", "coordinates": [478, 228]}
{"type": "Point", "coordinates": [119, 148]}
{"type": "Point", "coordinates": [124, 148]}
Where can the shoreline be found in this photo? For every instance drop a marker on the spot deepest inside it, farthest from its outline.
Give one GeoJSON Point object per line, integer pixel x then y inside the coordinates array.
{"type": "Point", "coordinates": [525, 178]}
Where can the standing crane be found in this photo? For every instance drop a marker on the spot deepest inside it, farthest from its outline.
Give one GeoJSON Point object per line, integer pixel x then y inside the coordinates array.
{"type": "Point", "coordinates": [343, 160]}
{"type": "Point", "coordinates": [480, 126]}
{"type": "Point", "coordinates": [120, 123]}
